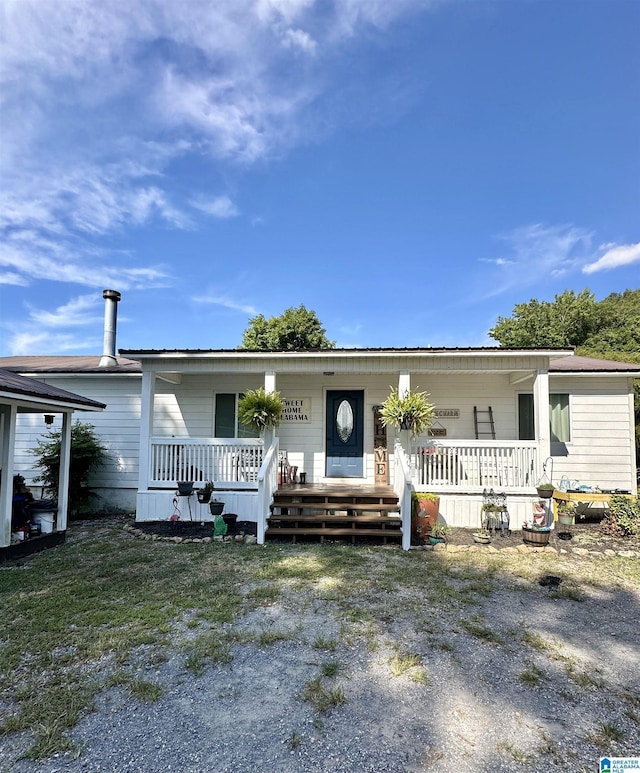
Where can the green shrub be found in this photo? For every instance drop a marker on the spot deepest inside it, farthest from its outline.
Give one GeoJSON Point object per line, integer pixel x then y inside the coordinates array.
{"type": "Point", "coordinates": [623, 518]}
{"type": "Point", "coordinates": [87, 455]}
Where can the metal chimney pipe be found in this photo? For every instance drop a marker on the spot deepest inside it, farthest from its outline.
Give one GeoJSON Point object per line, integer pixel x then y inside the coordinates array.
{"type": "Point", "coordinates": [111, 298]}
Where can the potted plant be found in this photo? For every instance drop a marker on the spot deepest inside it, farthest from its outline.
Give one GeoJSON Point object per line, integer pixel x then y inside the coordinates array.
{"type": "Point", "coordinates": [424, 513]}
{"type": "Point", "coordinates": [185, 488]}
{"type": "Point", "coordinates": [566, 513]}
{"type": "Point", "coordinates": [483, 536]}
{"type": "Point", "coordinates": [545, 489]}
{"type": "Point", "coordinates": [204, 494]}
{"type": "Point", "coordinates": [536, 535]}
{"type": "Point", "coordinates": [409, 411]}
{"type": "Point", "coordinates": [438, 533]}
{"type": "Point", "coordinates": [260, 410]}
{"type": "Point", "coordinates": [216, 507]}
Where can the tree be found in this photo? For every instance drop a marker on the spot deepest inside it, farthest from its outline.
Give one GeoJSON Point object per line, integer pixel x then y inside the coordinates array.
{"type": "Point", "coordinates": [568, 321]}
{"type": "Point", "coordinates": [87, 454]}
{"type": "Point", "coordinates": [294, 330]}
{"type": "Point", "coordinates": [609, 329]}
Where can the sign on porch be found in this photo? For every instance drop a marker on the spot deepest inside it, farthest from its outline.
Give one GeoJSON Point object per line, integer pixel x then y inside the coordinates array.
{"type": "Point", "coordinates": [447, 413]}
{"type": "Point", "coordinates": [297, 410]}
{"type": "Point", "coordinates": [380, 454]}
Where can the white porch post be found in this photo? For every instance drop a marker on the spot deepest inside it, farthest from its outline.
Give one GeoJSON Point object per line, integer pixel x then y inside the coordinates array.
{"type": "Point", "coordinates": [404, 382]}
{"type": "Point", "coordinates": [9, 414]}
{"type": "Point", "coordinates": [270, 381]}
{"type": "Point", "coordinates": [541, 413]}
{"type": "Point", "coordinates": [146, 426]}
{"type": "Point", "coordinates": [63, 474]}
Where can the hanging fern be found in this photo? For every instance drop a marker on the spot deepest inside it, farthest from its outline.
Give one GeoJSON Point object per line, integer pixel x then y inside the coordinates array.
{"type": "Point", "coordinates": [260, 409]}
{"type": "Point", "coordinates": [410, 411]}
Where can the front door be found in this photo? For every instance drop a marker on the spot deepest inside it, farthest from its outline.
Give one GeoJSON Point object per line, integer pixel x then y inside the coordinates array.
{"type": "Point", "coordinates": [345, 429]}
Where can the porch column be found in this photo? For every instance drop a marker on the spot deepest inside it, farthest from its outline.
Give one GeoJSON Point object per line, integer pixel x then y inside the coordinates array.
{"type": "Point", "coordinates": [63, 473]}
{"type": "Point", "coordinates": [270, 381]}
{"type": "Point", "coordinates": [146, 426]}
{"type": "Point", "coordinates": [541, 414]}
{"type": "Point", "coordinates": [7, 452]}
{"type": "Point", "coordinates": [404, 382]}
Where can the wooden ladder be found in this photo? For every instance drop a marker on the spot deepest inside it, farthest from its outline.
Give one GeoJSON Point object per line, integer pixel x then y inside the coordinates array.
{"type": "Point", "coordinates": [483, 422]}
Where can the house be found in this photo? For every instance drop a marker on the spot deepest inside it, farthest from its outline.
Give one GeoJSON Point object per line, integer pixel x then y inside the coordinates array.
{"type": "Point", "coordinates": [21, 396]}
{"type": "Point", "coordinates": [502, 414]}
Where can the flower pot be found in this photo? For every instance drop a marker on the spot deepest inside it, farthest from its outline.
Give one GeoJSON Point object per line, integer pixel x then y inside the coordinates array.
{"type": "Point", "coordinates": [230, 519]}
{"type": "Point", "coordinates": [435, 540]}
{"type": "Point", "coordinates": [216, 508]}
{"type": "Point", "coordinates": [545, 493]}
{"type": "Point", "coordinates": [535, 537]}
{"type": "Point", "coordinates": [203, 496]}
{"type": "Point", "coordinates": [185, 488]}
{"type": "Point", "coordinates": [565, 520]}
{"type": "Point", "coordinates": [425, 516]}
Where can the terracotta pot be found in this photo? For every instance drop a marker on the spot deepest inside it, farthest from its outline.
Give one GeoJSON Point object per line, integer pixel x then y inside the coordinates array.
{"type": "Point", "coordinates": [425, 517]}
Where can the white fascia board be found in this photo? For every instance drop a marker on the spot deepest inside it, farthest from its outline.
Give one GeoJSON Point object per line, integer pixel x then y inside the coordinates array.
{"type": "Point", "coordinates": [44, 404]}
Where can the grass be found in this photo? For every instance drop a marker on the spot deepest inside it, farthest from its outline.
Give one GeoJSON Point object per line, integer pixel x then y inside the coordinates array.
{"type": "Point", "coordinates": [321, 698]}
{"type": "Point", "coordinates": [93, 613]}
{"type": "Point", "coordinates": [532, 676]}
{"type": "Point", "coordinates": [476, 627]}
{"type": "Point", "coordinates": [606, 734]}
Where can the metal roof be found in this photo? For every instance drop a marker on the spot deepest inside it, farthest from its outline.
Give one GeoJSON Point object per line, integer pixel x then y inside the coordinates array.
{"type": "Point", "coordinates": [578, 364]}
{"type": "Point", "coordinates": [364, 350]}
{"type": "Point", "coordinates": [67, 364]}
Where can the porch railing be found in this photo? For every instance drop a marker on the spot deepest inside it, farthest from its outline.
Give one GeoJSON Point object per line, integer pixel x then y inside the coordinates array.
{"type": "Point", "coordinates": [267, 484]}
{"type": "Point", "coordinates": [229, 461]}
{"type": "Point", "coordinates": [473, 465]}
{"type": "Point", "coordinates": [402, 488]}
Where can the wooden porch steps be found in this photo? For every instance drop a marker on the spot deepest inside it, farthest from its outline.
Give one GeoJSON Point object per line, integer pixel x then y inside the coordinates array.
{"type": "Point", "coordinates": [320, 511]}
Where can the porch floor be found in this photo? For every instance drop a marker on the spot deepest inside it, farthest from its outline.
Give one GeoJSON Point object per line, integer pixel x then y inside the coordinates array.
{"type": "Point", "coordinates": [338, 510]}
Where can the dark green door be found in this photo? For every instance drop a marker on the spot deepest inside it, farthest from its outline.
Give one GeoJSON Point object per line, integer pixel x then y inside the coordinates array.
{"type": "Point", "coordinates": [345, 423]}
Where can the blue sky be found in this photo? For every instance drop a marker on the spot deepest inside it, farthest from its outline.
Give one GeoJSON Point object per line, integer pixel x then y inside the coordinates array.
{"type": "Point", "coordinates": [409, 169]}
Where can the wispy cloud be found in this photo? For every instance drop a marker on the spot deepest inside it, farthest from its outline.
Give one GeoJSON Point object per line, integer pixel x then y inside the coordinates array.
{"type": "Point", "coordinates": [98, 100]}
{"type": "Point", "coordinates": [537, 251]}
{"type": "Point", "coordinates": [226, 302]}
{"type": "Point", "coordinates": [59, 330]}
{"type": "Point", "coordinates": [615, 255]}
{"type": "Point", "coordinates": [220, 207]}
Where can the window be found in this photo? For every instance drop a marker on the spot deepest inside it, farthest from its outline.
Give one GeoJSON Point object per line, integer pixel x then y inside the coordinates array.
{"type": "Point", "coordinates": [559, 418]}
{"type": "Point", "coordinates": [226, 418]}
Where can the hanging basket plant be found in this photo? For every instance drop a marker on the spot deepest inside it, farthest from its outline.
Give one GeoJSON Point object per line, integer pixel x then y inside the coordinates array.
{"type": "Point", "coordinates": [259, 409]}
{"type": "Point", "coordinates": [410, 411]}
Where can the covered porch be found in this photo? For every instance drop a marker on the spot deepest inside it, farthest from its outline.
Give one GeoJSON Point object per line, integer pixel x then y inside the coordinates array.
{"type": "Point", "coordinates": [184, 393]}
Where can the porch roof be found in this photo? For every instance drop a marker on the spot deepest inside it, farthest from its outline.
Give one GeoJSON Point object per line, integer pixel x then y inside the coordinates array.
{"type": "Point", "coordinates": [31, 395]}
{"type": "Point", "coordinates": [369, 360]}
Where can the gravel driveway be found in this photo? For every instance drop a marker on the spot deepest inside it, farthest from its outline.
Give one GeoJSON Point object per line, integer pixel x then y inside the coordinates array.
{"type": "Point", "coordinates": [507, 675]}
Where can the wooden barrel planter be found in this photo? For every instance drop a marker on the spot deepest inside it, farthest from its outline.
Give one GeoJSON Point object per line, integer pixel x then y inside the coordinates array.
{"type": "Point", "coordinates": [536, 537]}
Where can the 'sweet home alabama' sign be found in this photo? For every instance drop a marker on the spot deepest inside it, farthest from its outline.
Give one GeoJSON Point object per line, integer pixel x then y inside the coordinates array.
{"type": "Point", "coordinates": [297, 411]}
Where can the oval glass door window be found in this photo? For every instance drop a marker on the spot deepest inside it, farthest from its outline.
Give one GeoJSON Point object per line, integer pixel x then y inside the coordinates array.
{"type": "Point", "coordinates": [344, 421]}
